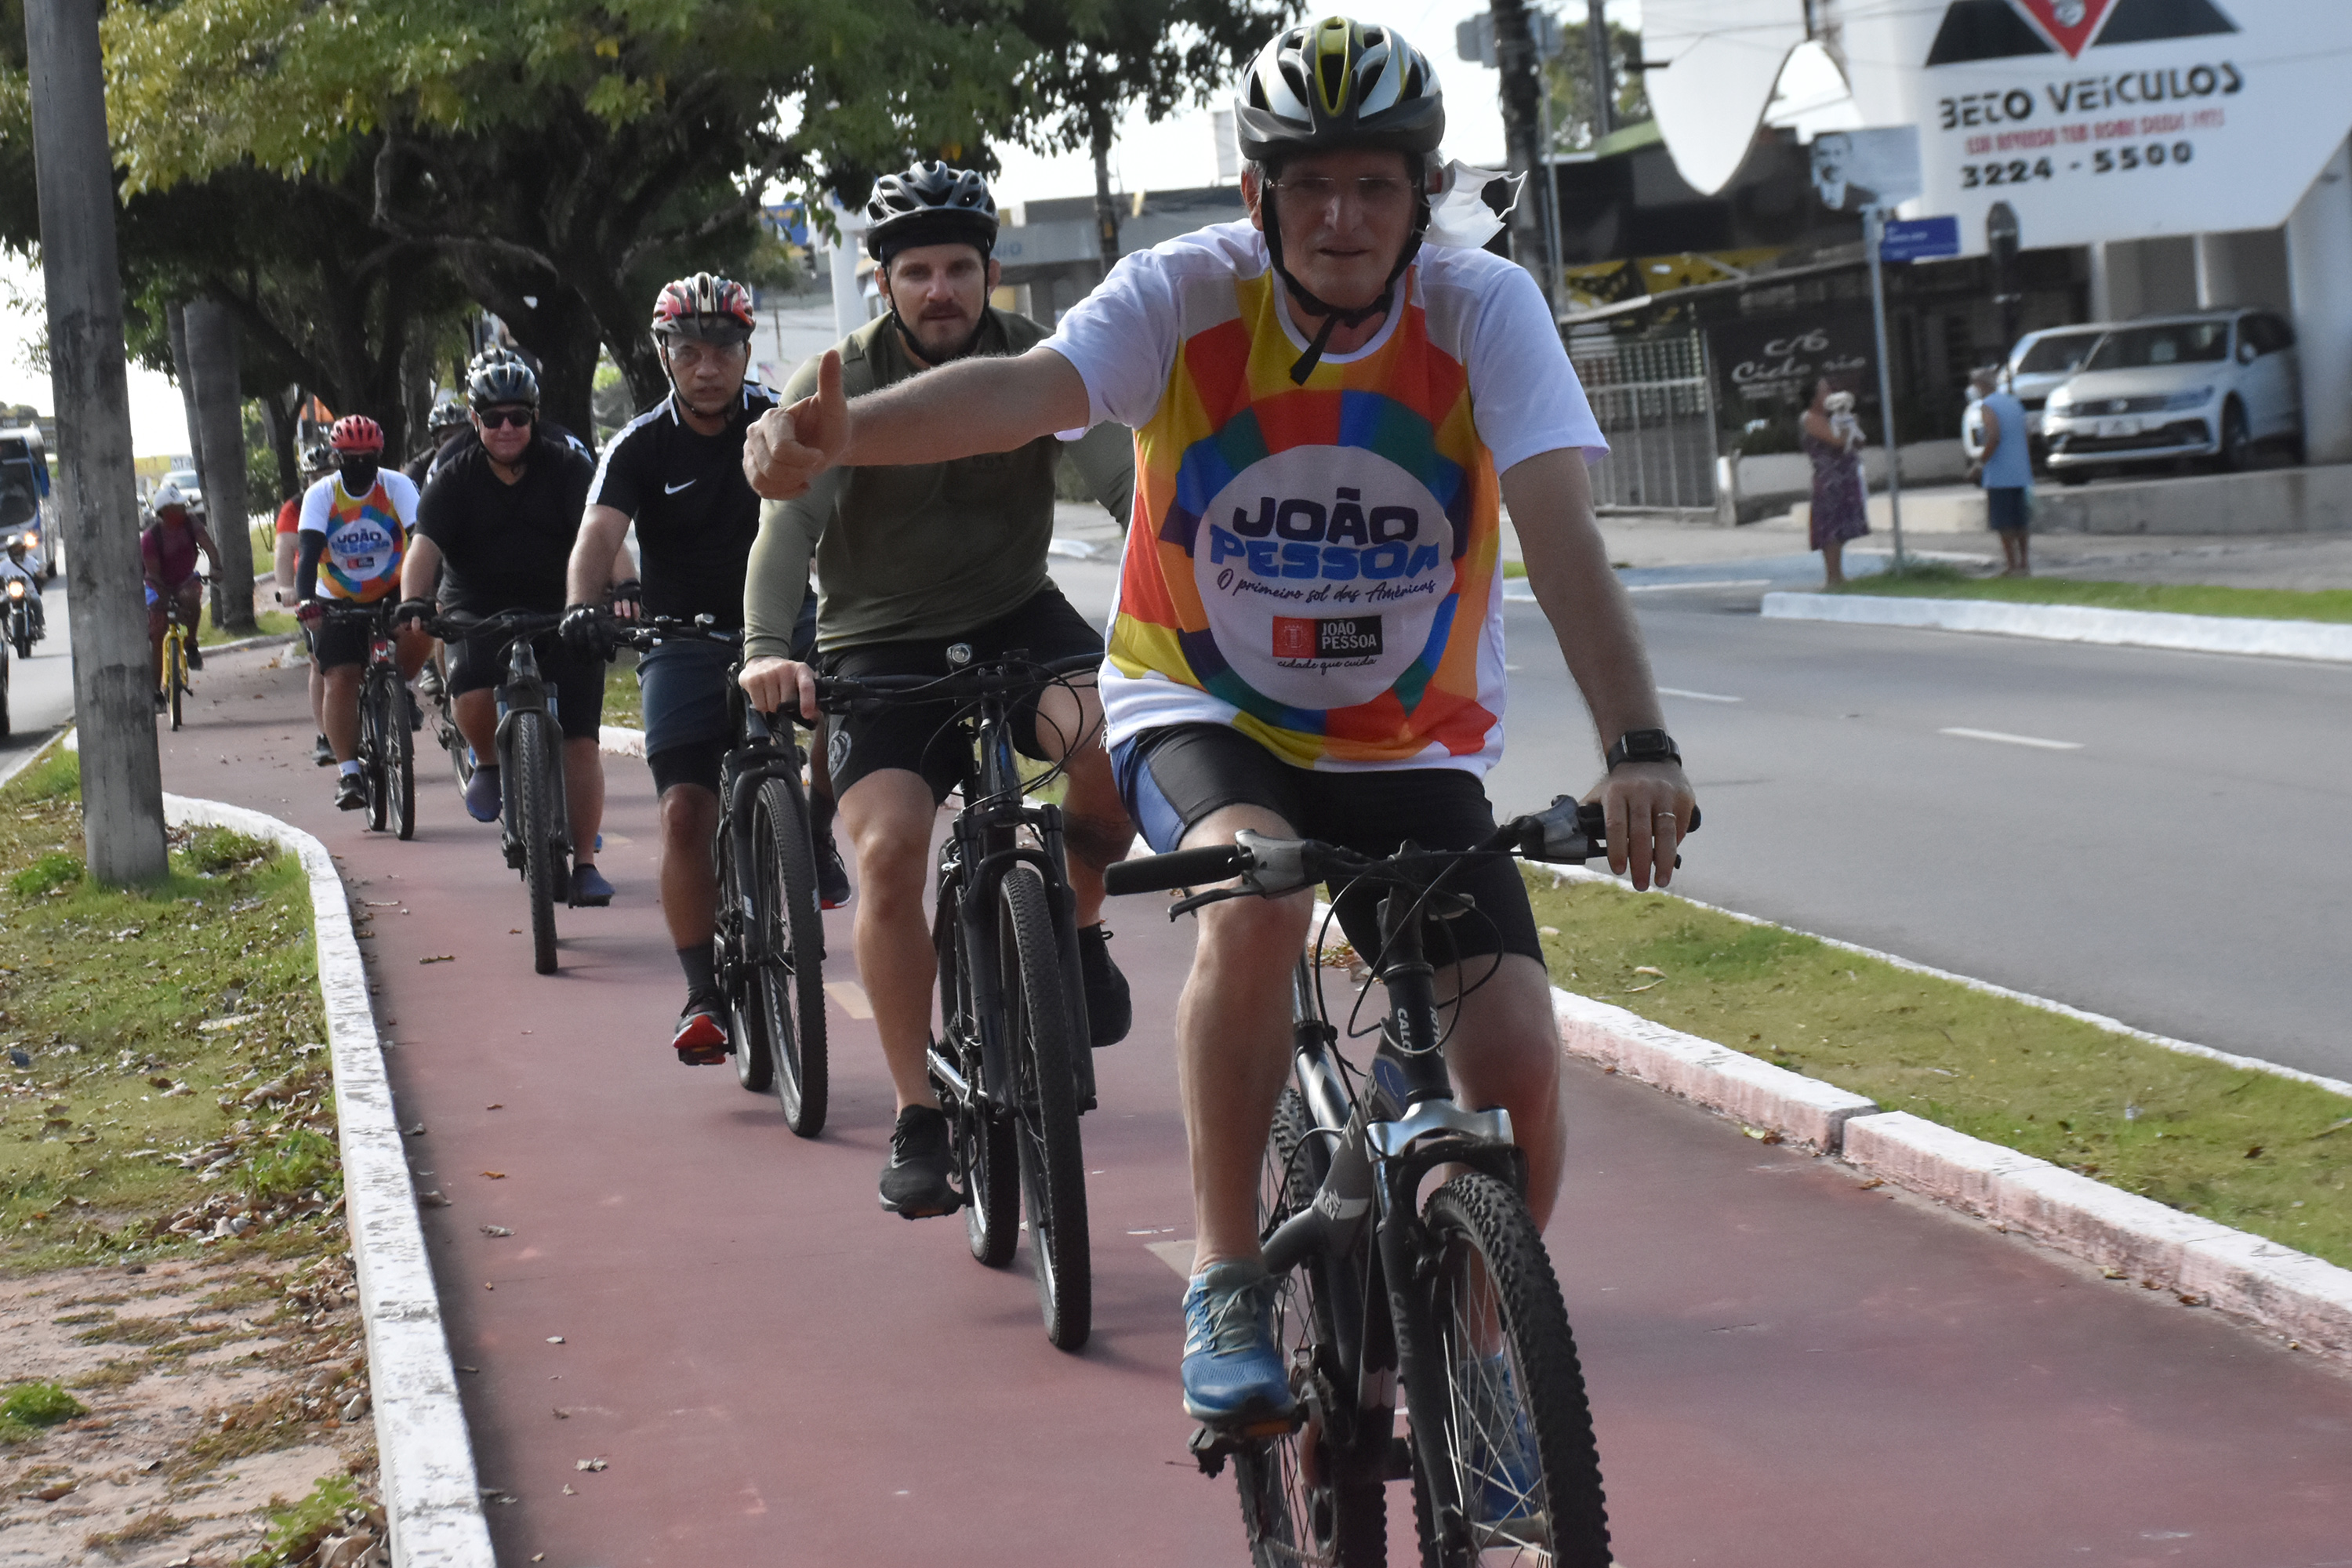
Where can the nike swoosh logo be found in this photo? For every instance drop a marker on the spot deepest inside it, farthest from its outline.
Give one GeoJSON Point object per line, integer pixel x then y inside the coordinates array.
{"type": "Point", "coordinates": [673, 489]}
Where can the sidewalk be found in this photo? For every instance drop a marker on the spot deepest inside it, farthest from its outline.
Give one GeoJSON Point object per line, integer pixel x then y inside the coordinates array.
{"type": "Point", "coordinates": [1786, 1368]}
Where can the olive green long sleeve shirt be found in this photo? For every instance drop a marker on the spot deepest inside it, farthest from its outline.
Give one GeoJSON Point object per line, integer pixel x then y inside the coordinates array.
{"type": "Point", "coordinates": [922, 550]}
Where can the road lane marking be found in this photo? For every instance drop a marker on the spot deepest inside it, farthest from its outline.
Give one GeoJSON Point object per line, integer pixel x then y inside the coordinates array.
{"type": "Point", "coordinates": [1176, 1254]}
{"type": "Point", "coordinates": [1697, 696]}
{"type": "Point", "coordinates": [1704, 583]}
{"type": "Point", "coordinates": [2014, 740]}
{"type": "Point", "coordinates": [852, 997]}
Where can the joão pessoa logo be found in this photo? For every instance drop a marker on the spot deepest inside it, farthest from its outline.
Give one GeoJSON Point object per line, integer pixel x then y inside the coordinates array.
{"type": "Point", "coordinates": [2004, 30]}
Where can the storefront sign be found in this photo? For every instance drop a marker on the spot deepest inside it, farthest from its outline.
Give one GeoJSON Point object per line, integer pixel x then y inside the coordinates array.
{"type": "Point", "coordinates": [1769, 362]}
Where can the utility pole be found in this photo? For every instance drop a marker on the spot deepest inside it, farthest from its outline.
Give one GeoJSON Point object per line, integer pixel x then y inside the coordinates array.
{"type": "Point", "coordinates": [122, 779]}
{"type": "Point", "coordinates": [220, 414]}
{"type": "Point", "coordinates": [1604, 86]}
{"type": "Point", "coordinates": [1515, 56]}
{"type": "Point", "coordinates": [1874, 236]}
{"type": "Point", "coordinates": [1106, 210]}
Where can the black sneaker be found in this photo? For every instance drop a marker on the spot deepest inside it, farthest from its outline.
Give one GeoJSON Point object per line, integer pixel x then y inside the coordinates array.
{"type": "Point", "coordinates": [832, 877]}
{"type": "Point", "coordinates": [1109, 1010]}
{"type": "Point", "coordinates": [416, 713]}
{"type": "Point", "coordinates": [351, 793]}
{"type": "Point", "coordinates": [701, 1038]}
{"type": "Point", "coordinates": [914, 1181]}
{"type": "Point", "coordinates": [195, 657]}
{"type": "Point", "coordinates": [321, 752]}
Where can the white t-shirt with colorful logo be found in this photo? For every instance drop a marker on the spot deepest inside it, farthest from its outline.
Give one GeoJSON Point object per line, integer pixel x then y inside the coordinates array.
{"type": "Point", "coordinates": [365, 538]}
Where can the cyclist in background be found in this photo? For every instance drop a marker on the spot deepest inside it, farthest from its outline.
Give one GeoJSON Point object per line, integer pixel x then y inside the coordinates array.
{"type": "Point", "coordinates": [447, 419]}
{"type": "Point", "coordinates": [676, 472]}
{"type": "Point", "coordinates": [501, 516]}
{"type": "Point", "coordinates": [355, 526]}
{"type": "Point", "coordinates": [168, 548]}
{"type": "Point", "coordinates": [1309, 639]}
{"type": "Point", "coordinates": [463, 438]}
{"type": "Point", "coordinates": [913, 559]}
{"type": "Point", "coordinates": [318, 461]}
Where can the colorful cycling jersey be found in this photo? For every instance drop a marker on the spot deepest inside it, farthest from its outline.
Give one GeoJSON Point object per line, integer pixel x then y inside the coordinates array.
{"type": "Point", "coordinates": [364, 538]}
{"type": "Point", "coordinates": [1317, 566]}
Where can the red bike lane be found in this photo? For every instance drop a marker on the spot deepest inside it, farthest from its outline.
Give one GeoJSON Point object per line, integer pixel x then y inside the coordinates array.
{"type": "Point", "coordinates": [1786, 1367]}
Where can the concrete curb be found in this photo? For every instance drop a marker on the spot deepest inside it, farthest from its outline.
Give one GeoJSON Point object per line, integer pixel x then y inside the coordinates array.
{"type": "Point", "coordinates": [621, 741]}
{"type": "Point", "coordinates": [265, 639]}
{"type": "Point", "coordinates": [2074, 623]}
{"type": "Point", "coordinates": [430, 1486]}
{"type": "Point", "coordinates": [2305, 1300]}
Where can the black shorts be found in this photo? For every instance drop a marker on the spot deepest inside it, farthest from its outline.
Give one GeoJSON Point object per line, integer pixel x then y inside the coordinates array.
{"type": "Point", "coordinates": [688, 688]}
{"type": "Point", "coordinates": [2007, 507]}
{"type": "Point", "coordinates": [576, 684]}
{"type": "Point", "coordinates": [923, 737]}
{"type": "Point", "coordinates": [340, 639]}
{"type": "Point", "coordinates": [1173, 778]}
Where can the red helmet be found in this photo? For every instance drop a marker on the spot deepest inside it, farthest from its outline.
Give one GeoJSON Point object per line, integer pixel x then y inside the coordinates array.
{"type": "Point", "coordinates": [704, 306]}
{"type": "Point", "coordinates": [356, 433]}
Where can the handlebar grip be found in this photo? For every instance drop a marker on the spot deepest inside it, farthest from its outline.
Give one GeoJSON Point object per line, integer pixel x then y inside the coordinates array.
{"type": "Point", "coordinates": [1181, 869]}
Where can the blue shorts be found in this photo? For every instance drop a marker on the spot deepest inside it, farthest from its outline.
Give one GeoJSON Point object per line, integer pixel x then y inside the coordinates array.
{"type": "Point", "coordinates": [690, 724]}
{"type": "Point", "coordinates": [2007, 507]}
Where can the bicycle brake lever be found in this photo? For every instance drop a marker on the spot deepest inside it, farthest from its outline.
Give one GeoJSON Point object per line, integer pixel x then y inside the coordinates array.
{"type": "Point", "coordinates": [1276, 866]}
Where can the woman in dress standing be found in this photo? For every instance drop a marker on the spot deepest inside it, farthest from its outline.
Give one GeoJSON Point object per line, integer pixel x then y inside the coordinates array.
{"type": "Point", "coordinates": [1841, 501]}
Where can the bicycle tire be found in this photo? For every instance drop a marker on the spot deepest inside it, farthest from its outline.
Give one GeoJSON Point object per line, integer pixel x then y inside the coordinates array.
{"type": "Point", "coordinates": [533, 800]}
{"type": "Point", "coordinates": [175, 672]}
{"type": "Point", "coordinates": [1302, 1503]}
{"type": "Point", "coordinates": [754, 1064]}
{"type": "Point", "coordinates": [1038, 1013]}
{"type": "Point", "coordinates": [400, 766]}
{"type": "Point", "coordinates": [1503, 1379]}
{"type": "Point", "coordinates": [372, 747]}
{"type": "Point", "coordinates": [24, 645]}
{"type": "Point", "coordinates": [791, 983]}
{"type": "Point", "coordinates": [987, 1158]}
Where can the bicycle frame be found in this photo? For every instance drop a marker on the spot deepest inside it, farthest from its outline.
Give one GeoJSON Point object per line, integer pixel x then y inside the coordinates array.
{"type": "Point", "coordinates": [760, 753]}
{"type": "Point", "coordinates": [520, 691]}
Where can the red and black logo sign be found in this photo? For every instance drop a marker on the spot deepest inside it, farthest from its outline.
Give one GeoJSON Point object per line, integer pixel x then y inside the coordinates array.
{"type": "Point", "coordinates": [2004, 30]}
{"type": "Point", "coordinates": [1350, 637]}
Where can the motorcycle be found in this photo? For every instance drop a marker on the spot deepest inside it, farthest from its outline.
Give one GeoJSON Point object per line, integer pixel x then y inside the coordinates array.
{"type": "Point", "coordinates": [25, 624]}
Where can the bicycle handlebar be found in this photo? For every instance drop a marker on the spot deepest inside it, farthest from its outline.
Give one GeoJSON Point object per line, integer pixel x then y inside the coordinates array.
{"type": "Point", "coordinates": [505, 625]}
{"type": "Point", "coordinates": [836, 694]}
{"type": "Point", "coordinates": [645, 631]}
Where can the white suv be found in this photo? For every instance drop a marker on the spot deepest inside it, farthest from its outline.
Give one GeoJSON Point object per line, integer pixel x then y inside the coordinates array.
{"type": "Point", "coordinates": [2213, 385]}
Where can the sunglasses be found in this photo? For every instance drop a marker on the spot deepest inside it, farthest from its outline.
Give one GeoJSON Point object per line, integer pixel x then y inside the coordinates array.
{"type": "Point", "coordinates": [499, 418]}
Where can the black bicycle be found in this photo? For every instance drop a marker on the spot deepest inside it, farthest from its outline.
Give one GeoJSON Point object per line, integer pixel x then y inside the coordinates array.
{"type": "Point", "coordinates": [387, 750]}
{"type": "Point", "coordinates": [1454, 1297]}
{"type": "Point", "coordinates": [534, 811]}
{"type": "Point", "coordinates": [769, 945]}
{"type": "Point", "coordinates": [1011, 1066]}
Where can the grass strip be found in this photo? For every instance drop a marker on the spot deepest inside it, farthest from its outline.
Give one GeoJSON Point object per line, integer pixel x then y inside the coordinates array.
{"type": "Point", "coordinates": [2262, 1154]}
{"type": "Point", "coordinates": [266, 623]}
{"type": "Point", "coordinates": [163, 1080]}
{"type": "Point", "coordinates": [623, 703]}
{"type": "Point", "coordinates": [1934, 581]}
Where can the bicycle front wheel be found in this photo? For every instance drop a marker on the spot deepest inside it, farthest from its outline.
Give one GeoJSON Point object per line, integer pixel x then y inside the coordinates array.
{"type": "Point", "coordinates": [1304, 1499]}
{"type": "Point", "coordinates": [175, 672]}
{"type": "Point", "coordinates": [1508, 1472]}
{"type": "Point", "coordinates": [792, 943]}
{"type": "Point", "coordinates": [400, 765]}
{"type": "Point", "coordinates": [535, 798]}
{"type": "Point", "coordinates": [375, 744]}
{"type": "Point", "coordinates": [737, 930]}
{"type": "Point", "coordinates": [986, 1160]}
{"type": "Point", "coordinates": [1037, 1013]}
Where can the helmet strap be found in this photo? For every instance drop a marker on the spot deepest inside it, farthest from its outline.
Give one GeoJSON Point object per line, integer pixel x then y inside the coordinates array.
{"type": "Point", "coordinates": [1333, 317]}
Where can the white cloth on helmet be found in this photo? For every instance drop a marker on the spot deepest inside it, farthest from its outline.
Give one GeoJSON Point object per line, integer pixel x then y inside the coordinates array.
{"type": "Point", "coordinates": [1459, 213]}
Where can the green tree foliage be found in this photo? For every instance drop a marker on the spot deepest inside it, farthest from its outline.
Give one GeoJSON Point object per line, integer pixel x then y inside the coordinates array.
{"type": "Point", "coordinates": [1573, 117]}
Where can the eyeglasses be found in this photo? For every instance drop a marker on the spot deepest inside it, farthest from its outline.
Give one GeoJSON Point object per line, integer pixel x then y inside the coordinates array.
{"type": "Point", "coordinates": [499, 418]}
{"type": "Point", "coordinates": [1373, 193]}
{"type": "Point", "coordinates": [687, 353]}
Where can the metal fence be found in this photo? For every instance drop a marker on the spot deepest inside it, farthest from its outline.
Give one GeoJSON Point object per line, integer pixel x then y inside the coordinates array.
{"type": "Point", "coordinates": [1656, 405]}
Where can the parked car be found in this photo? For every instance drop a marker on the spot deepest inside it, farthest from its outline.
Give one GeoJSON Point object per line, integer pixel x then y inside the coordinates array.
{"type": "Point", "coordinates": [189, 487]}
{"type": "Point", "coordinates": [2210, 386]}
{"type": "Point", "coordinates": [25, 504]}
{"type": "Point", "coordinates": [2039, 365]}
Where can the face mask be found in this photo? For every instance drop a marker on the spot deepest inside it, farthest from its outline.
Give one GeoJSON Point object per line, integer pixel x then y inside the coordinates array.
{"type": "Point", "coordinates": [1459, 214]}
{"type": "Point", "coordinates": [359, 476]}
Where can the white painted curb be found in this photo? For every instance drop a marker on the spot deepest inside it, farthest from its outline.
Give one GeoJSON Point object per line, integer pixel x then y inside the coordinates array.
{"type": "Point", "coordinates": [2074, 623]}
{"type": "Point", "coordinates": [430, 1494]}
{"type": "Point", "coordinates": [621, 741]}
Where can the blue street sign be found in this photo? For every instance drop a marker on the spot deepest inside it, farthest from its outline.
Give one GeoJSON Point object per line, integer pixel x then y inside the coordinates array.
{"type": "Point", "coordinates": [1920, 239]}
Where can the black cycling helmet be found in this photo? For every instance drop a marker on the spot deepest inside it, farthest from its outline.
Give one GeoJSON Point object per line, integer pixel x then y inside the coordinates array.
{"type": "Point", "coordinates": [930, 203]}
{"type": "Point", "coordinates": [507, 381]}
{"type": "Point", "coordinates": [1332, 84]}
{"type": "Point", "coordinates": [448, 413]}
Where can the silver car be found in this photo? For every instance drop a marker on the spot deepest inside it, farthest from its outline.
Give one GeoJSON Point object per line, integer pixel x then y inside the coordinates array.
{"type": "Point", "coordinates": [2210, 386]}
{"type": "Point", "coordinates": [2038, 366]}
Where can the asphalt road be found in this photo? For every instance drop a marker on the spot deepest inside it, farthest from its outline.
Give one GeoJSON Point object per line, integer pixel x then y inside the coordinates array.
{"type": "Point", "coordinates": [2182, 864]}
{"type": "Point", "coordinates": [40, 688]}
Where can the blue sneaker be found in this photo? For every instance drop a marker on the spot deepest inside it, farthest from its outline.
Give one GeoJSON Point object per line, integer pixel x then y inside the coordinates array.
{"type": "Point", "coordinates": [1501, 1469]}
{"type": "Point", "coordinates": [482, 795]}
{"type": "Point", "coordinates": [1233, 1373]}
{"type": "Point", "coordinates": [589, 888]}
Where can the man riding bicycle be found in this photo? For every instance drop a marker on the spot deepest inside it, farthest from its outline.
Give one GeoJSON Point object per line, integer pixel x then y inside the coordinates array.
{"type": "Point", "coordinates": [676, 472]}
{"type": "Point", "coordinates": [1329, 414]}
{"type": "Point", "coordinates": [912, 560]}
{"type": "Point", "coordinates": [168, 548]}
{"type": "Point", "coordinates": [502, 515]}
{"type": "Point", "coordinates": [354, 527]}
{"type": "Point", "coordinates": [318, 462]}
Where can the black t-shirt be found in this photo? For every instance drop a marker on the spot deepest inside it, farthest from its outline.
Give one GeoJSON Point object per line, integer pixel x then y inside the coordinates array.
{"type": "Point", "coordinates": [506, 547]}
{"type": "Point", "coordinates": [696, 514]}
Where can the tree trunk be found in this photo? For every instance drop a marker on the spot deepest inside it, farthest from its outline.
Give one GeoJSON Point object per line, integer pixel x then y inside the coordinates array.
{"type": "Point", "coordinates": [1106, 210]}
{"type": "Point", "coordinates": [220, 414]}
{"type": "Point", "coordinates": [121, 782]}
{"type": "Point", "coordinates": [562, 333]}
{"type": "Point", "coordinates": [175, 320]}
{"type": "Point", "coordinates": [1515, 54]}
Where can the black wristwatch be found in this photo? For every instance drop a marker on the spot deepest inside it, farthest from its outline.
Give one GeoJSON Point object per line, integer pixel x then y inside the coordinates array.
{"type": "Point", "coordinates": [1644, 746]}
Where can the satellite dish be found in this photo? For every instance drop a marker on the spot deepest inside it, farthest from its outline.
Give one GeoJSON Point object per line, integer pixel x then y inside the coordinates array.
{"type": "Point", "coordinates": [1713, 67]}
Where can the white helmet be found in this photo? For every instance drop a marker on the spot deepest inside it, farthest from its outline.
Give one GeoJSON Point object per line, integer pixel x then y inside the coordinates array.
{"type": "Point", "coordinates": [167, 495]}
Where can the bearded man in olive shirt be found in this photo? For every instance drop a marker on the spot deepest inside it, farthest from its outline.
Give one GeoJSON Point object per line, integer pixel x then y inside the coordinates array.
{"type": "Point", "coordinates": [911, 560]}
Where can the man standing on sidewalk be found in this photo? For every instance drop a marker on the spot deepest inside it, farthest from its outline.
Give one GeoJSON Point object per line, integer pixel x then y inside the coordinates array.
{"type": "Point", "coordinates": [2007, 467]}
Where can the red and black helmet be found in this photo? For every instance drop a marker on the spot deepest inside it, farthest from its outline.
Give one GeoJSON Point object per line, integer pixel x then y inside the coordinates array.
{"type": "Point", "coordinates": [706, 307]}
{"type": "Point", "coordinates": [356, 433]}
